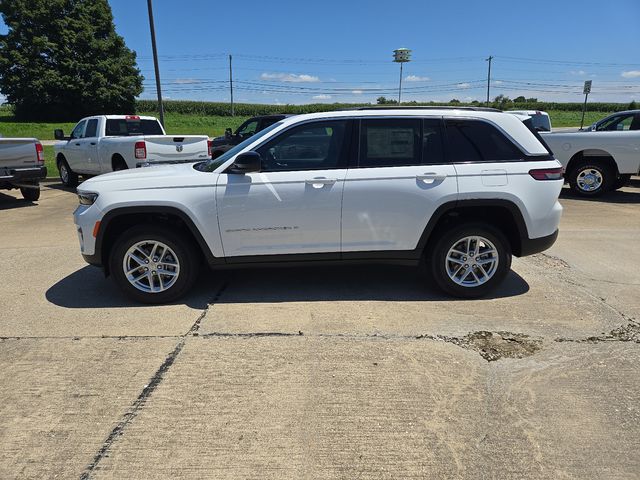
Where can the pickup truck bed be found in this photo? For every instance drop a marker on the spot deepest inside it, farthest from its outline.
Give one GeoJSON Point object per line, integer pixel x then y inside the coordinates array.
{"type": "Point", "coordinates": [22, 166]}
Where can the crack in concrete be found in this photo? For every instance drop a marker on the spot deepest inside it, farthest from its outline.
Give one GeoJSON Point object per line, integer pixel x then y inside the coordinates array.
{"type": "Point", "coordinates": [624, 333]}
{"type": "Point", "coordinates": [146, 392]}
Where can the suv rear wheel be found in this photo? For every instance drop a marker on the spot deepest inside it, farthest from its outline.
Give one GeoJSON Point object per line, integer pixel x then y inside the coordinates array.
{"type": "Point", "coordinates": [152, 264]}
{"type": "Point", "coordinates": [470, 260]}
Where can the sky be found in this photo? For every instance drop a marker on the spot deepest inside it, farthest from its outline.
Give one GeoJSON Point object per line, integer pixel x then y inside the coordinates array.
{"type": "Point", "coordinates": [341, 51]}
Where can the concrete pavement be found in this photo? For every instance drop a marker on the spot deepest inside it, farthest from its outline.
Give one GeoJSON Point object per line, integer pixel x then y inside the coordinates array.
{"type": "Point", "coordinates": [322, 373]}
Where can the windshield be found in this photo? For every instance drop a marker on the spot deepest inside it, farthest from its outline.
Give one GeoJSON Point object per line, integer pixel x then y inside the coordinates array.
{"type": "Point", "coordinates": [211, 165]}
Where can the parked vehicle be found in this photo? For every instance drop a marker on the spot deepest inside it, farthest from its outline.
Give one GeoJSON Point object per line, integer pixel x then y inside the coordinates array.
{"type": "Point", "coordinates": [621, 121]}
{"type": "Point", "coordinates": [458, 191]}
{"type": "Point", "coordinates": [539, 119]}
{"type": "Point", "coordinates": [219, 145]}
{"type": "Point", "coordinates": [22, 166]}
{"type": "Point", "coordinates": [602, 158]}
{"type": "Point", "coordinates": [107, 143]}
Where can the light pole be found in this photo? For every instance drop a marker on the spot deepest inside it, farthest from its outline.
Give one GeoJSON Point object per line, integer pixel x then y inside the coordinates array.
{"type": "Point", "coordinates": [155, 61]}
{"type": "Point", "coordinates": [401, 55]}
{"type": "Point", "coordinates": [489, 77]}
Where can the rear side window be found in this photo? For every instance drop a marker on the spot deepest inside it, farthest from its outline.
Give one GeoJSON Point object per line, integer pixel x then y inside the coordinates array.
{"type": "Point", "coordinates": [122, 128]}
{"type": "Point", "coordinates": [92, 128]}
{"type": "Point", "coordinates": [390, 142]}
{"type": "Point", "coordinates": [478, 141]}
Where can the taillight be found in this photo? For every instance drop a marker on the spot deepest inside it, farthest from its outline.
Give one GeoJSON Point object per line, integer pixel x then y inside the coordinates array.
{"type": "Point", "coordinates": [141, 150]}
{"type": "Point", "coordinates": [39, 153]}
{"type": "Point", "coordinates": [546, 173]}
{"type": "Point", "coordinates": [209, 147]}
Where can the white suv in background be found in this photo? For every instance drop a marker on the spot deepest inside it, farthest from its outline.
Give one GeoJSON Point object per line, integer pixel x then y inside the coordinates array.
{"type": "Point", "coordinates": [457, 190]}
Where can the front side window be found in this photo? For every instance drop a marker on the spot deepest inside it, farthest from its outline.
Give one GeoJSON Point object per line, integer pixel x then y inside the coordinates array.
{"type": "Point", "coordinates": [78, 131]}
{"type": "Point", "coordinates": [312, 146]}
{"type": "Point", "coordinates": [619, 122]}
{"type": "Point", "coordinates": [247, 129]}
{"type": "Point", "coordinates": [478, 141]}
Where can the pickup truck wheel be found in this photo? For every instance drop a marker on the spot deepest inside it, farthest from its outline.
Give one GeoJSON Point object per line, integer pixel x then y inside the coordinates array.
{"type": "Point", "coordinates": [470, 260]}
{"type": "Point", "coordinates": [30, 194]}
{"type": "Point", "coordinates": [67, 176]}
{"type": "Point", "coordinates": [119, 164]}
{"type": "Point", "coordinates": [152, 264]}
{"type": "Point", "coordinates": [591, 179]}
{"type": "Point", "coordinates": [621, 181]}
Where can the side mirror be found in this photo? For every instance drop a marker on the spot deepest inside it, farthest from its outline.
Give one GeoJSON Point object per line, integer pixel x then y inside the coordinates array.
{"type": "Point", "coordinates": [228, 133]}
{"type": "Point", "coordinates": [58, 134]}
{"type": "Point", "coordinates": [247, 162]}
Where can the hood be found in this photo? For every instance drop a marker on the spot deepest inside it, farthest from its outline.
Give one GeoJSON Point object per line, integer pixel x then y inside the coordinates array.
{"type": "Point", "coordinates": [165, 176]}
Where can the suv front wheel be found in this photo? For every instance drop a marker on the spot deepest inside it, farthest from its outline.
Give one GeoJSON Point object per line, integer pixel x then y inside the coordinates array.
{"type": "Point", "coordinates": [152, 264]}
{"type": "Point", "coordinates": [470, 260]}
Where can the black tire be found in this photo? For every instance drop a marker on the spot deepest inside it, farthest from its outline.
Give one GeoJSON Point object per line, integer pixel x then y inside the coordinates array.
{"type": "Point", "coordinates": [186, 253]}
{"type": "Point", "coordinates": [118, 164]}
{"type": "Point", "coordinates": [621, 181]}
{"type": "Point", "coordinates": [595, 168]}
{"type": "Point", "coordinates": [67, 176]}
{"type": "Point", "coordinates": [30, 194]}
{"type": "Point", "coordinates": [437, 263]}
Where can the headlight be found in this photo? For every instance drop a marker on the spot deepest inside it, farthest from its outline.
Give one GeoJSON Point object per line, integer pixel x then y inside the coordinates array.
{"type": "Point", "coordinates": [87, 198]}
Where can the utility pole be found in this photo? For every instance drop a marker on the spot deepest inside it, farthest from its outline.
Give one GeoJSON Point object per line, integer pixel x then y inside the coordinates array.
{"type": "Point", "coordinates": [155, 61]}
{"type": "Point", "coordinates": [401, 55]}
{"type": "Point", "coordinates": [488, 77]}
{"type": "Point", "coordinates": [231, 84]}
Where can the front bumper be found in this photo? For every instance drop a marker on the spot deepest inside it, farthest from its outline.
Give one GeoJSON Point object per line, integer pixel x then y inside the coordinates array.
{"type": "Point", "coordinates": [22, 175]}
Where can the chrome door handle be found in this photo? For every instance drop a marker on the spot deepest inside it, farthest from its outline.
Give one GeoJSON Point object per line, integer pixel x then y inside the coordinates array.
{"type": "Point", "coordinates": [430, 177]}
{"type": "Point", "coordinates": [320, 182]}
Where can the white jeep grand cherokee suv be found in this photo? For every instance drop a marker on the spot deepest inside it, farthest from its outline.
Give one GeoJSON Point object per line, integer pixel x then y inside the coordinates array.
{"type": "Point", "coordinates": [457, 190]}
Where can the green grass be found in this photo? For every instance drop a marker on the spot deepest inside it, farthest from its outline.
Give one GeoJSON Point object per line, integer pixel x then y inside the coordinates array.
{"type": "Point", "coordinates": [50, 161]}
{"type": "Point", "coordinates": [561, 118]}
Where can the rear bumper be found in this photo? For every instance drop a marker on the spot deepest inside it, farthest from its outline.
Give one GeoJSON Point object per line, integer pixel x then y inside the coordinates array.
{"type": "Point", "coordinates": [15, 176]}
{"type": "Point", "coordinates": [529, 246]}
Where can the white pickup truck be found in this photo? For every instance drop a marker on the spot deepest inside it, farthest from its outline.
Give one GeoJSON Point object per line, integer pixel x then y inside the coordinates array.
{"type": "Point", "coordinates": [601, 159]}
{"type": "Point", "coordinates": [107, 143]}
{"type": "Point", "coordinates": [22, 166]}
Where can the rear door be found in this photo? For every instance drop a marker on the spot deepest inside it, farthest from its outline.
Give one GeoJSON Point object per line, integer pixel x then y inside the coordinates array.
{"type": "Point", "coordinates": [397, 181]}
{"type": "Point", "coordinates": [293, 205]}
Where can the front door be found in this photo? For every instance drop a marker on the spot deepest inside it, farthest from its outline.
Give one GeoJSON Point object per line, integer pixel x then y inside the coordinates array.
{"type": "Point", "coordinates": [294, 204]}
{"type": "Point", "coordinates": [397, 182]}
{"type": "Point", "coordinates": [72, 151]}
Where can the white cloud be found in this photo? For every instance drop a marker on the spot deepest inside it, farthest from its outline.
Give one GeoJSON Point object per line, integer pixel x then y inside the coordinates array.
{"type": "Point", "coordinates": [321, 97]}
{"type": "Point", "coordinates": [578, 72]}
{"type": "Point", "coordinates": [186, 81]}
{"type": "Point", "coordinates": [498, 82]}
{"type": "Point", "coordinates": [416, 78]}
{"type": "Point", "coordinates": [357, 92]}
{"type": "Point", "coordinates": [631, 74]}
{"type": "Point", "coordinates": [464, 85]}
{"type": "Point", "coordinates": [290, 77]}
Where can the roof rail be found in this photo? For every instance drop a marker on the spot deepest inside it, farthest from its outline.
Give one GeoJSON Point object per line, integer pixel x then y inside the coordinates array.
{"type": "Point", "coordinates": [426, 107]}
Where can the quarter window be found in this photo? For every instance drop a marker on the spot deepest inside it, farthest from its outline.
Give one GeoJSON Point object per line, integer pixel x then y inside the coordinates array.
{"type": "Point", "coordinates": [478, 141]}
{"type": "Point", "coordinates": [312, 146]}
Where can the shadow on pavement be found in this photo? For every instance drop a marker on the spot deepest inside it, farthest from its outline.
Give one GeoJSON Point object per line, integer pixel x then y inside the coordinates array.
{"type": "Point", "coordinates": [87, 287]}
{"type": "Point", "coordinates": [630, 194]}
{"type": "Point", "coordinates": [60, 186]}
{"type": "Point", "coordinates": [8, 202]}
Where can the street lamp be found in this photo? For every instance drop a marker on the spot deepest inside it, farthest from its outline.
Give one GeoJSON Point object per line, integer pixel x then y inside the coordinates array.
{"type": "Point", "coordinates": [401, 55]}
